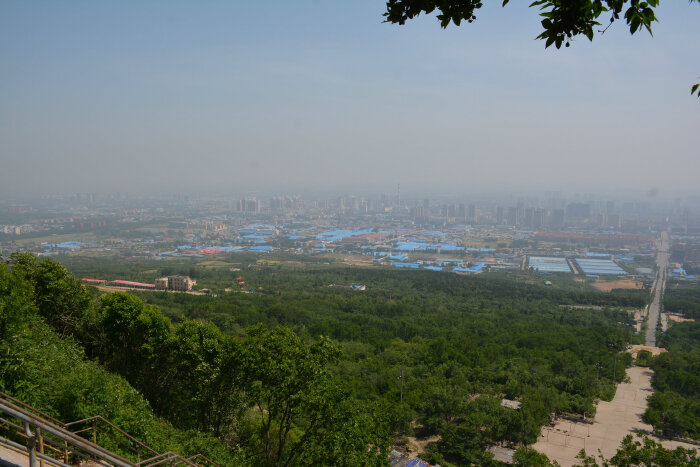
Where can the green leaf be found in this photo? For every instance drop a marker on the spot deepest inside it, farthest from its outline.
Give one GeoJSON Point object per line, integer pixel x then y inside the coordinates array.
{"type": "Point", "coordinates": [634, 24]}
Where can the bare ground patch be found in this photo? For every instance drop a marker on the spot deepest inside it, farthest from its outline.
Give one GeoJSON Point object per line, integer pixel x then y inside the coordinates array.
{"type": "Point", "coordinates": [607, 286]}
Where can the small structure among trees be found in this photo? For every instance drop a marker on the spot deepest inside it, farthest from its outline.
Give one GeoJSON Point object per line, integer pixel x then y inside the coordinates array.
{"type": "Point", "coordinates": [179, 283]}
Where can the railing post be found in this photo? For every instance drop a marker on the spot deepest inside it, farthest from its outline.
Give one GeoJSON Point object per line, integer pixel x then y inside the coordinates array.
{"type": "Point", "coordinates": [94, 431]}
{"type": "Point", "coordinates": [40, 436]}
{"type": "Point", "coordinates": [65, 452]}
{"type": "Point", "coordinates": [31, 444]}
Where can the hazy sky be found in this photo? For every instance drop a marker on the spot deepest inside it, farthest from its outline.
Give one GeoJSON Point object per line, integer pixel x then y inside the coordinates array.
{"type": "Point", "coordinates": [232, 95]}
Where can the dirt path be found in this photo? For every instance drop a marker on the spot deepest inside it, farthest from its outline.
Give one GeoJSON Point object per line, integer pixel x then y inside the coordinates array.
{"type": "Point", "coordinates": [613, 421]}
{"type": "Point", "coordinates": [421, 444]}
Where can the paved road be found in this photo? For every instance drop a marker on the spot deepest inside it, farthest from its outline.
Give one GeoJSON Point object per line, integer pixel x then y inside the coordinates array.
{"type": "Point", "coordinates": [658, 288]}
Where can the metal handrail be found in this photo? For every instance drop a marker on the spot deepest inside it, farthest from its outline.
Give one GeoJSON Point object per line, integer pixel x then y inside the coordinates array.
{"type": "Point", "coordinates": [30, 420]}
{"type": "Point", "coordinates": [32, 409]}
{"type": "Point", "coordinates": [21, 448]}
{"type": "Point", "coordinates": [99, 418]}
{"type": "Point", "coordinates": [43, 424]}
{"type": "Point", "coordinates": [21, 434]}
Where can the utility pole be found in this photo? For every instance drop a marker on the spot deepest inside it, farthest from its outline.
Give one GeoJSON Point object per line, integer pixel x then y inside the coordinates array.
{"type": "Point", "coordinates": [401, 378]}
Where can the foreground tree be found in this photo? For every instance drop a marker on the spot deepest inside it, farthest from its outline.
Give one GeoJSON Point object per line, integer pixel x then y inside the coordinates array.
{"type": "Point", "coordinates": [130, 335]}
{"type": "Point", "coordinates": [60, 297]}
{"type": "Point", "coordinates": [644, 453]}
{"type": "Point", "coordinates": [304, 417]}
{"type": "Point", "coordinates": [563, 20]}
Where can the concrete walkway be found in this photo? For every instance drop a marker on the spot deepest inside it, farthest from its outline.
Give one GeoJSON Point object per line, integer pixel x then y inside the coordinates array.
{"type": "Point", "coordinates": [11, 457]}
{"type": "Point", "coordinates": [613, 421]}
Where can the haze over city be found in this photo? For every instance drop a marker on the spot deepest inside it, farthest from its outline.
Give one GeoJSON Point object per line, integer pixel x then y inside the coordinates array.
{"type": "Point", "coordinates": [314, 232]}
{"type": "Point", "coordinates": [168, 96]}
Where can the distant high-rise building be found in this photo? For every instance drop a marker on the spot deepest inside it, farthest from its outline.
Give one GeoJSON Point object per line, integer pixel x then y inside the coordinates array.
{"type": "Point", "coordinates": [252, 205]}
{"type": "Point", "coordinates": [472, 213]}
{"type": "Point", "coordinates": [557, 218]}
{"type": "Point", "coordinates": [578, 210]}
{"type": "Point", "coordinates": [417, 213]}
{"type": "Point", "coordinates": [615, 221]}
{"type": "Point", "coordinates": [276, 203]}
{"type": "Point", "coordinates": [529, 217]}
{"type": "Point", "coordinates": [602, 219]}
{"type": "Point", "coordinates": [540, 218]}
{"type": "Point", "coordinates": [512, 218]}
{"type": "Point", "coordinates": [462, 212]}
{"type": "Point", "coordinates": [499, 215]}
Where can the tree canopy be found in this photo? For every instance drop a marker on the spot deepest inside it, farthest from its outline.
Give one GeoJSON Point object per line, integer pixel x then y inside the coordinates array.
{"type": "Point", "coordinates": [562, 20]}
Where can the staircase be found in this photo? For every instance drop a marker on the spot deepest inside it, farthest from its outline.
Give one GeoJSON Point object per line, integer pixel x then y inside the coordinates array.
{"type": "Point", "coordinates": [29, 437]}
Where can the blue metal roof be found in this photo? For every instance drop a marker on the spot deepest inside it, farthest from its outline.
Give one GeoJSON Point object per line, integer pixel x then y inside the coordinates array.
{"type": "Point", "coordinates": [407, 265]}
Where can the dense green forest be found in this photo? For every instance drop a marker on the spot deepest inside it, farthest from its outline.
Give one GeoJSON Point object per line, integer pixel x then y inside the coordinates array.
{"type": "Point", "coordinates": [301, 373]}
{"type": "Point", "coordinates": [267, 399]}
{"type": "Point", "coordinates": [458, 344]}
{"type": "Point", "coordinates": [42, 363]}
{"type": "Point", "coordinates": [674, 408]}
{"type": "Point", "coordinates": [683, 298]}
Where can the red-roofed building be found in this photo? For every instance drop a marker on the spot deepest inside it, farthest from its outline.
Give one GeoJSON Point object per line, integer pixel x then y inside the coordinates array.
{"type": "Point", "coordinates": [93, 281]}
{"type": "Point", "coordinates": [138, 285]}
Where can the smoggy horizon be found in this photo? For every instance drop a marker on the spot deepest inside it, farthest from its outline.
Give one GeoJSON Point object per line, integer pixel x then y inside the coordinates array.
{"type": "Point", "coordinates": [217, 97]}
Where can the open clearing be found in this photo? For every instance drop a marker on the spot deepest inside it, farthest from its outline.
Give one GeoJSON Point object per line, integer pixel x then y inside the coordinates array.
{"type": "Point", "coordinates": [678, 319]}
{"type": "Point", "coordinates": [613, 421]}
{"type": "Point", "coordinates": [607, 286]}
